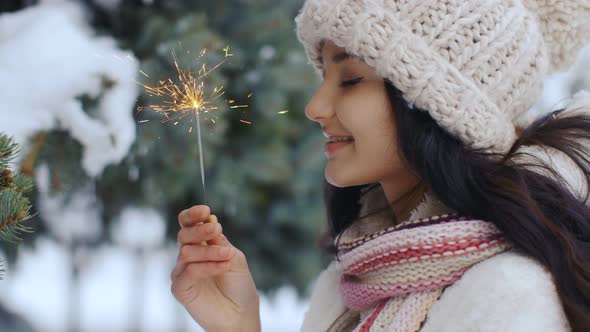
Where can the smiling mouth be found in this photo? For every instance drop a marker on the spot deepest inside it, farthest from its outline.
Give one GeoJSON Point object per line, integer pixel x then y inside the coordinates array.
{"type": "Point", "coordinates": [339, 139]}
{"type": "Point", "coordinates": [334, 144]}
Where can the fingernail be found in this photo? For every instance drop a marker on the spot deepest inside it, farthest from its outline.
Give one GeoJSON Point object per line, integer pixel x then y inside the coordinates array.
{"type": "Point", "coordinates": [186, 218]}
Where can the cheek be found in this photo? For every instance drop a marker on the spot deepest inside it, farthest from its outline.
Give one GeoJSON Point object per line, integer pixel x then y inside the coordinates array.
{"type": "Point", "coordinates": [376, 136]}
{"type": "Point", "coordinates": [374, 128]}
{"type": "Point", "coordinates": [379, 145]}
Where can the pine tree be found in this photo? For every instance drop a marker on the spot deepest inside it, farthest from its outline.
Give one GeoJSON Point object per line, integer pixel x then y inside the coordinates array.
{"type": "Point", "coordinates": [14, 205]}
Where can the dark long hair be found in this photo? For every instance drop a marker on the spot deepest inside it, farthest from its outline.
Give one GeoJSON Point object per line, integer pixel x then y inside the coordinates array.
{"type": "Point", "coordinates": [538, 213]}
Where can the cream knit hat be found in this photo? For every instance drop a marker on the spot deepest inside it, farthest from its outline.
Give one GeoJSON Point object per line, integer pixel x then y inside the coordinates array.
{"type": "Point", "coordinates": [474, 65]}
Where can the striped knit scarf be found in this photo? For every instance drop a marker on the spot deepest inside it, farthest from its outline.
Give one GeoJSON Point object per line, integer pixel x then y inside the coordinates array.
{"type": "Point", "coordinates": [396, 275]}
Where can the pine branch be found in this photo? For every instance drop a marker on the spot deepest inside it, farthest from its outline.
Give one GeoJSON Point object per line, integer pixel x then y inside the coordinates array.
{"type": "Point", "coordinates": [22, 183]}
{"type": "Point", "coordinates": [8, 150]}
{"type": "Point", "coordinates": [14, 209]}
{"type": "Point", "coordinates": [14, 205]}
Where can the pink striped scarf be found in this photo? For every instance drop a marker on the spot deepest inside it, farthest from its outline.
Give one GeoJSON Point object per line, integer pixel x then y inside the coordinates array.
{"type": "Point", "coordinates": [398, 273]}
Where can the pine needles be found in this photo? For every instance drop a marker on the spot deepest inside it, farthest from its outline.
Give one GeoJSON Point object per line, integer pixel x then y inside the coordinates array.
{"type": "Point", "coordinates": [14, 205]}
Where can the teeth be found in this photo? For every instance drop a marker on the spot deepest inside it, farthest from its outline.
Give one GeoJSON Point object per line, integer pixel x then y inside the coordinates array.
{"type": "Point", "coordinates": [340, 139]}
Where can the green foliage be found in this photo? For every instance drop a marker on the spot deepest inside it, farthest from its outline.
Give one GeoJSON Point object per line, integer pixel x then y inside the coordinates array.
{"type": "Point", "coordinates": [14, 205]}
{"type": "Point", "coordinates": [263, 180]}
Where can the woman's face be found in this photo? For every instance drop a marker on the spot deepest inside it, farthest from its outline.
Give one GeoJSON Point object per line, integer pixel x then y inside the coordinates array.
{"type": "Point", "coordinates": [352, 102]}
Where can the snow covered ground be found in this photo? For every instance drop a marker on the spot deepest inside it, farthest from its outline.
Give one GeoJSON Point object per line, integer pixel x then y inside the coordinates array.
{"type": "Point", "coordinates": [38, 289]}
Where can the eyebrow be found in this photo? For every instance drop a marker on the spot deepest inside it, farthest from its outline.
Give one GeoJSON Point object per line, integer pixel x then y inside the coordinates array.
{"type": "Point", "coordinates": [341, 57]}
{"type": "Point", "coordinates": [338, 58]}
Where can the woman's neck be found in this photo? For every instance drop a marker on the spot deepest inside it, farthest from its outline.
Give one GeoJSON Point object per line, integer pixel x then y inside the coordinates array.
{"type": "Point", "coordinates": [403, 200]}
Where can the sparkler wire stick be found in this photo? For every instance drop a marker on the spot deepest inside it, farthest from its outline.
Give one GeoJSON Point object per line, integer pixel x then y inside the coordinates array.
{"type": "Point", "coordinates": [186, 94]}
{"type": "Point", "coordinates": [201, 153]}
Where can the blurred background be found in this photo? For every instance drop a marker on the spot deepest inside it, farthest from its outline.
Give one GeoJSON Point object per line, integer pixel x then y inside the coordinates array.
{"type": "Point", "coordinates": [108, 181]}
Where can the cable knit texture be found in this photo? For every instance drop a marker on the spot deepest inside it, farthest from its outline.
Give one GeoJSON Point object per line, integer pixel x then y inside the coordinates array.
{"type": "Point", "coordinates": [476, 66]}
{"type": "Point", "coordinates": [402, 270]}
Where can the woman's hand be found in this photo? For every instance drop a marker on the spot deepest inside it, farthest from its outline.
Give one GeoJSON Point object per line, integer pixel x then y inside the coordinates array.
{"type": "Point", "coordinates": [211, 278]}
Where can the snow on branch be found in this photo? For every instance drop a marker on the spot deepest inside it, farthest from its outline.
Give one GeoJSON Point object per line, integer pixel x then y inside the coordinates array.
{"type": "Point", "coordinates": [50, 59]}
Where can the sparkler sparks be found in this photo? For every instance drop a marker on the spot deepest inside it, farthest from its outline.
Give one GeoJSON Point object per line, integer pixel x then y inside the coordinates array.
{"type": "Point", "coordinates": [188, 95]}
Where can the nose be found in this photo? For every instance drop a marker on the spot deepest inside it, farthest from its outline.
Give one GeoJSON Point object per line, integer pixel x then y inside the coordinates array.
{"type": "Point", "coordinates": [321, 105]}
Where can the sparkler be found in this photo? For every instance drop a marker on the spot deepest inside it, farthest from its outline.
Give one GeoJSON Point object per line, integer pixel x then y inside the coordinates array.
{"type": "Point", "coordinates": [186, 95]}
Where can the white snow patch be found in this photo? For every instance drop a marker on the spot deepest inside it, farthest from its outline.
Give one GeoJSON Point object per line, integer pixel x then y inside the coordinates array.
{"type": "Point", "coordinates": [49, 57]}
{"type": "Point", "coordinates": [139, 228]}
{"type": "Point", "coordinates": [73, 217]}
{"type": "Point", "coordinates": [37, 288]}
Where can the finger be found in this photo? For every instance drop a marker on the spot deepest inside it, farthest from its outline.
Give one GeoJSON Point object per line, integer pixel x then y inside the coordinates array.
{"type": "Point", "coordinates": [219, 240]}
{"type": "Point", "coordinates": [196, 271]}
{"type": "Point", "coordinates": [199, 233]}
{"type": "Point", "coordinates": [196, 253]}
{"type": "Point", "coordinates": [183, 285]}
{"type": "Point", "coordinates": [193, 215]}
{"type": "Point", "coordinates": [212, 219]}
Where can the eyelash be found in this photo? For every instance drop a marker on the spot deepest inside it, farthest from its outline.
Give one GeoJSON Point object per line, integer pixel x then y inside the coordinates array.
{"type": "Point", "coordinates": [351, 82]}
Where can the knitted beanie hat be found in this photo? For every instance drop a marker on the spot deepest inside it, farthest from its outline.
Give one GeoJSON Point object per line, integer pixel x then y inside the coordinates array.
{"type": "Point", "coordinates": [474, 65]}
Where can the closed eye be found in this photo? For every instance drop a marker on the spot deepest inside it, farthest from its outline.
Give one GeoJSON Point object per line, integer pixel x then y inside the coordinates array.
{"type": "Point", "coordinates": [351, 82]}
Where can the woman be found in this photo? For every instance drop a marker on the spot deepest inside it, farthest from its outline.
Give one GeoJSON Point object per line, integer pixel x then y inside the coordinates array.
{"type": "Point", "coordinates": [443, 216]}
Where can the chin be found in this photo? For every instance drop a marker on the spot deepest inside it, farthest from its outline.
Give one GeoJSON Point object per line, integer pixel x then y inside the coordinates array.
{"type": "Point", "coordinates": [341, 181]}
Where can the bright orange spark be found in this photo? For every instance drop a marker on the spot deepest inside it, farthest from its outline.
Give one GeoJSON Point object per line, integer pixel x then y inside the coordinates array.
{"type": "Point", "coordinates": [185, 94]}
